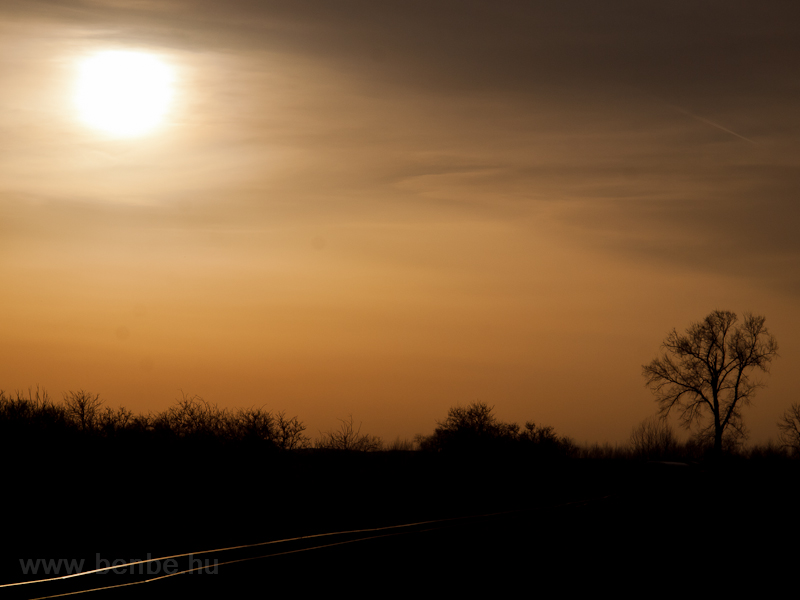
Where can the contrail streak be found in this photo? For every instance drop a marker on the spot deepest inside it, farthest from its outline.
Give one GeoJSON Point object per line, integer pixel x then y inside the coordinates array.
{"type": "Point", "coordinates": [693, 115]}
{"type": "Point", "coordinates": [712, 123]}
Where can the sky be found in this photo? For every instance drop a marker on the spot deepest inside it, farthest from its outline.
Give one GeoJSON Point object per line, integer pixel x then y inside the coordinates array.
{"type": "Point", "coordinates": [385, 209]}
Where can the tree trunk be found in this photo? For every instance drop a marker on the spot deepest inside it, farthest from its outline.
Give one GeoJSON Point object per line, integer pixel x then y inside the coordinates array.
{"type": "Point", "coordinates": [717, 441]}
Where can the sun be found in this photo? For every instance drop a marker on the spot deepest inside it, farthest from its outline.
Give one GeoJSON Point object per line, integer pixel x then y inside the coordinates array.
{"type": "Point", "coordinates": [123, 93]}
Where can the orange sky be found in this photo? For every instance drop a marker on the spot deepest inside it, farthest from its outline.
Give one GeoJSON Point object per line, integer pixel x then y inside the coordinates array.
{"type": "Point", "coordinates": [386, 209]}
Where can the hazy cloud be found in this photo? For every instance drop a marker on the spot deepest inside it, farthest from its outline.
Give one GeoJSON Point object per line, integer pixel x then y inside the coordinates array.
{"type": "Point", "coordinates": [375, 169]}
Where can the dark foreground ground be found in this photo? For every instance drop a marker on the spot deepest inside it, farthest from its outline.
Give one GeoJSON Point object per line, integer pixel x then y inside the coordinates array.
{"type": "Point", "coordinates": [497, 527]}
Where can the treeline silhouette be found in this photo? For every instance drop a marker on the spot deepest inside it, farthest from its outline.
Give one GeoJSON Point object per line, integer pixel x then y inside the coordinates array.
{"type": "Point", "coordinates": [88, 476]}
{"type": "Point", "coordinates": [33, 422]}
{"type": "Point", "coordinates": [191, 419]}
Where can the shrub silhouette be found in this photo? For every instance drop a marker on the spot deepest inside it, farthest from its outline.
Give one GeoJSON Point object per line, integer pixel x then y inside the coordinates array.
{"type": "Point", "coordinates": [193, 417]}
{"type": "Point", "coordinates": [289, 433]}
{"type": "Point", "coordinates": [23, 417]}
{"type": "Point", "coordinates": [543, 441]}
{"type": "Point", "coordinates": [475, 430]}
{"type": "Point", "coordinates": [789, 425]}
{"type": "Point", "coordinates": [196, 419]}
{"type": "Point", "coordinates": [470, 429]}
{"type": "Point", "coordinates": [347, 437]}
{"type": "Point", "coordinates": [401, 445]}
{"type": "Point", "coordinates": [654, 439]}
{"type": "Point", "coordinates": [253, 425]}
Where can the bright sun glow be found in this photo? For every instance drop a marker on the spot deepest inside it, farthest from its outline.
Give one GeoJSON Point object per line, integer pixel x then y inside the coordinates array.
{"type": "Point", "coordinates": [125, 94]}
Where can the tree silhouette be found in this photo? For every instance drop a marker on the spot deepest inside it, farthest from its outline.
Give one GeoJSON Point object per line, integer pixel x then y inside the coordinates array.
{"type": "Point", "coordinates": [789, 424]}
{"type": "Point", "coordinates": [653, 439]}
{"type": "Point", "coordinates": [83, 408]}
{"type": "Point", "coordinates": [470, 428]}
{"type": "Point", "coordinates": [705, 374]}
{"type": "Point", "coordinates": [349, 437]}
{"type": "Point", "coordinates": [475, 430]}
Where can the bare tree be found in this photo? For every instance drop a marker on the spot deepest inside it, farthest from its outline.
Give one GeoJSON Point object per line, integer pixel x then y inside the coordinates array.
{"type": "Point", "coordinates": [193, 416]}
{"type": "Point", "coordinates": [111, 421]}
{"type": "Point", "coordinates": [83, 408]}
{"type": "Point", "coordinates": [705, 374]}
{"type": "Point", "coordinates": [653, 439]}
{"type": "Point", "coordinates": [789, 424]}
{"type": "Point", "coordinates": [348, 437]}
